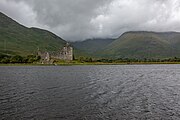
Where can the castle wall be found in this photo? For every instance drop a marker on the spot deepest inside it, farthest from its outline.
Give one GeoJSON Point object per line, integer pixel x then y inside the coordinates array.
{"type": "Point", "coordinates": [66, 53]}
{"type": "Point", "coordinates": [45, 57]}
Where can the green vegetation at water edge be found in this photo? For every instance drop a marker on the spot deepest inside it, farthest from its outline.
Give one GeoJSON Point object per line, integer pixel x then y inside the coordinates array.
{"type": "Point", "coordinates": [120, 61]}
{"type": "Point", "coordinates": [5, 59]}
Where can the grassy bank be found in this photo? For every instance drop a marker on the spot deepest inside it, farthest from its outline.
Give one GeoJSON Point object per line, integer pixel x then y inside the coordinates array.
{"type": "Point", "coordinates": [122, 63]}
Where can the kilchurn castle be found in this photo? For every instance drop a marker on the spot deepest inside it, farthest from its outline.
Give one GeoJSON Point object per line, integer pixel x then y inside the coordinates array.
{"type": "Point", "coordinates": [66, 54]}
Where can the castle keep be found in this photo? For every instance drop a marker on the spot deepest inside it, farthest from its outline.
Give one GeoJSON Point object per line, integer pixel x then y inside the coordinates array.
{"type": "Point", "coordinates": [66, 53]}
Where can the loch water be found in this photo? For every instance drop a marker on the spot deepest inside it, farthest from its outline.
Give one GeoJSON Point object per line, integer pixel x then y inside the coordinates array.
{"type": "Point", "coordinates": [105, 92]}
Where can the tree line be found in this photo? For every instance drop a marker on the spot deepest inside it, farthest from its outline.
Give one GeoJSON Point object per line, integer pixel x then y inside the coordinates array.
{"type": "Point", "coordinates": [19, 59]}
{"type": "Point", "coordinates": [127, 60]}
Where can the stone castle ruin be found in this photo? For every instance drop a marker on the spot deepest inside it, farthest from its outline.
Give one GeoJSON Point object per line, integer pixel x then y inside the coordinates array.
{"type": "Point", "coordinates": [66, 54]}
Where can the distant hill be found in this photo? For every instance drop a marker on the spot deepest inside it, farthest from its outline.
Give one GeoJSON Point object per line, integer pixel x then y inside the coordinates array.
{"type": "Point", "coordinates": [16, 39]}
{"type": "Point", "coordinates": [91, 46]}
{"type": "Point", "coordinates": [142, 44]}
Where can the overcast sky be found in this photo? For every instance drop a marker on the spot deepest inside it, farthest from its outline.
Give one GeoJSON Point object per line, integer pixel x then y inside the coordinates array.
{"type": "Point", "coordinates": [82, 19]}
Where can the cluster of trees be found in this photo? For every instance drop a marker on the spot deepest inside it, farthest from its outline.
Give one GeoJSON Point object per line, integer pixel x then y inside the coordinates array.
{"type": "Point", "coordinates": [85, 59]}
{"type": "Point", "coordinates": [175, 59]}
{"type": "Point", "coordinates": [19, 59]}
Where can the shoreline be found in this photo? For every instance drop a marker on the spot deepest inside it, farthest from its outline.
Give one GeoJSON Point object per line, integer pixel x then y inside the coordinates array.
{"type": "Point", "coordinates": [74, 64]}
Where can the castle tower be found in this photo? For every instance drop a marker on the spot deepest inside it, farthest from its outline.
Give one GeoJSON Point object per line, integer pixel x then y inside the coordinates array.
{"type": "Point", "coordinates": [67, 52]}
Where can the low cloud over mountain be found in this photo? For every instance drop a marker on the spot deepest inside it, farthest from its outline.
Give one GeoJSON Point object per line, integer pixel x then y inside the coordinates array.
{"type": "Point", "coordinates": [82, 19]}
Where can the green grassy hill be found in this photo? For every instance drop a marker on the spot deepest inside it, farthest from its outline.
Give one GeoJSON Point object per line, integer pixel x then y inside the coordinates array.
{"type": "Point", "coordinates": [16, 39]}
{"type": "Point", "coordinates": [143, 44]}
{"type": "Point", "coordinates": [89, 47]}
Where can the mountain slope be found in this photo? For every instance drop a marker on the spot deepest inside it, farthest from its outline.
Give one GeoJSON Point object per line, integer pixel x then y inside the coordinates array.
{"type": "Point", "coordinates": [143, 44]}
{"type": "Point", "coordinates": [92, 45]}
{"type": "Point", "coordinates": [16, 39]}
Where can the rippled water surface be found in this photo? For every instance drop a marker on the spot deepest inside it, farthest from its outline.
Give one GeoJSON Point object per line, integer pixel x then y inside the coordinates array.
{"type": "Point", "coordinates": [90, 92]}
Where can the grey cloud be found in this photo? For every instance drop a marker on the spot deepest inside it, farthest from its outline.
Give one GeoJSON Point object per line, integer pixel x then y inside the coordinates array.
{"type": "Point", "coordinates": [82, 19]}
{"type": "Point", "coordinates": [18, 11]}
{"type": "Point", "coordinates": [127, 15]}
